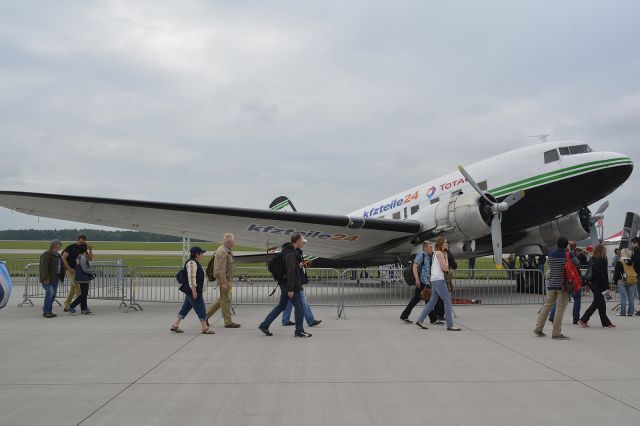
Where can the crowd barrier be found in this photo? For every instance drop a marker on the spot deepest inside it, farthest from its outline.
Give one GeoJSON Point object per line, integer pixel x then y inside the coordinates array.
{"type": "Point", "coordinates": [110, 283]}
{"type": "Point", "coordinates": [350, 288]}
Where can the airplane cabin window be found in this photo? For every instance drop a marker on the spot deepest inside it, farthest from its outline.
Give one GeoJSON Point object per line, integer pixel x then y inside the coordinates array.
{"type": "Point", "coordinates": [396, 215]}
{"type": "Point", "coordinates": [434, 200]}
{"type": "Point", "coordinates": [551, 156]}
{"type": "Point", "coordinates": [576, 149]}
{"type": "Point", "coordinates": [483, 185]}
{"type": "Point", "coordinates": [414, 209]}
{"type": "Point", "coordinates": [405, 212]}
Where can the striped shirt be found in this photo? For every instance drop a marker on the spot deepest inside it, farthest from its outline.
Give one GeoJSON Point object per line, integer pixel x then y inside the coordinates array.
{"type": "Point", "coordinates": [557, 259]}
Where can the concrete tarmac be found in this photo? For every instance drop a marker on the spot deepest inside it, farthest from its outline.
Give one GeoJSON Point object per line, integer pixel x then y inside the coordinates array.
{"type": "Point", "coordinates": [371, 369]}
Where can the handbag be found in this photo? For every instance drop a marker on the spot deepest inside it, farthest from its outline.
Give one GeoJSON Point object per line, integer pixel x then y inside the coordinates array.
{"type": "Point", "coordinates": [425, 294]}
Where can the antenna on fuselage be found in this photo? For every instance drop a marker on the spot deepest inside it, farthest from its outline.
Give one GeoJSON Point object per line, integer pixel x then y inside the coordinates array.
{"type": "Point", "coordinates": [541, 138]}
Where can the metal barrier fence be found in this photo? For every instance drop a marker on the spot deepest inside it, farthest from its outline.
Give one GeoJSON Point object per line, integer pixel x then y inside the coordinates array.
{"type": "Point", "coordinates": [110, 283]}
{"type": "Point", "coordinates": [381, 286]}
{"type": "Point", "coordinates": [251, 286]}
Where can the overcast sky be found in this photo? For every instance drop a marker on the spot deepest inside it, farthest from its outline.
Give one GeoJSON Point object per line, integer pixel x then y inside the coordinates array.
{"type": "Point", "coordinates": [335, 104]}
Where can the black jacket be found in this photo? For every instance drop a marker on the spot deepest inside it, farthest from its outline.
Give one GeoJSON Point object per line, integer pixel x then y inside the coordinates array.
{"type": "Point", "coordinates": [292, 268]}
{"type": "Point", "coordinates": [599, 275]}
{"type": "Point", "coordinates": [618, 274]}
{"type": "Point", "coordinates": [636, 259]}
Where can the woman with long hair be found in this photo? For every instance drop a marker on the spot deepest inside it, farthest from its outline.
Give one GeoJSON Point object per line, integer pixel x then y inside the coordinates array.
{"type": "Point", "coordinates": [599, 285]}
{"type": "Point", "coordinates": [439, 290]}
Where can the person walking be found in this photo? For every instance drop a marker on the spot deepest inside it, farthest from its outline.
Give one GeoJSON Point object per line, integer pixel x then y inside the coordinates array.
{"type": "Point", "coordinates": [635, 257]}
{"type": "Point", "coordinates": [224, 268]}
{"type": "Point", "coordinates": [192, 290]}
{"type": "Point", "coordinates": [51, 272]}
{"type": "Point", "coordinates": [304, 279]}
{"type": "Point", "coordinates": [83, 275]}
{"type": "Point", "coordinates": [599, 286]}
{"type": "Point", "coordinates": [69, 258]}
{"type": "Point", "coordinates": [437, 316]}
{"type": "Point", "coordinates": [421, 270]}
{"type": "Point", "coordinates": [575, 295]}
{"type": "Point", "coordinates": [626, 278]}
{"type": "Point", "coordinates": [290, 288]}
{"type": "Point", "coordinates": [555, 293]}
{"type": "Point", "coordinates": [439, 289]}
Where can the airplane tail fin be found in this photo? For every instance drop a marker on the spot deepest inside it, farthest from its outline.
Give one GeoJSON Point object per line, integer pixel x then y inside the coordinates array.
{"type": "Point", "coordinates": [282, 203]}
{"type": "Point", "coordinates": [631, 229]}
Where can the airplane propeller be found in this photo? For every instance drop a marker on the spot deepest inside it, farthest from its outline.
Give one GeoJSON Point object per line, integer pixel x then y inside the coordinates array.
{"type": "Point", "coordinates": [497, 209]}
{"type": "Point", "coordinates": [593, 230]}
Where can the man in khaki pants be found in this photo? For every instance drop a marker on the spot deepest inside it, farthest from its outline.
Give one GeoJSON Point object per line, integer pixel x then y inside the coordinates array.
{"type": "Point", "coordinates": [69, 256]}
{"type": "Point", "coordinates": [224, 267]}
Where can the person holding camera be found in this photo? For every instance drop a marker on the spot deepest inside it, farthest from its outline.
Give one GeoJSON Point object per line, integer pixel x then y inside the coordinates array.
{"type": "Point", "coordinates": [421, 269]}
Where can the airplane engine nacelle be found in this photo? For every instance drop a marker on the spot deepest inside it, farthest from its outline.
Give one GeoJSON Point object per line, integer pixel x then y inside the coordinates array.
{"type": "Point", "coordinates": [574, 227]}
{"type": "Point", "coordinates": [464, 217]}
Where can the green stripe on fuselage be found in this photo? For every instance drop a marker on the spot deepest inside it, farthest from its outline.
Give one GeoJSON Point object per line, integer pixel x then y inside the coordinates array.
{"type": "Point", "coordinates": [558, 174]}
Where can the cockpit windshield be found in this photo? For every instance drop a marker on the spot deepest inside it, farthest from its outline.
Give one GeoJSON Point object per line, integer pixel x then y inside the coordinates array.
{"type": "Point", "coordinates": [575, 149]}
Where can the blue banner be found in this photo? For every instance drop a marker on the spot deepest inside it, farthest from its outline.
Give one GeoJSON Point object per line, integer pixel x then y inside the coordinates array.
{"type": "Point", "coordinates": [5, 285]}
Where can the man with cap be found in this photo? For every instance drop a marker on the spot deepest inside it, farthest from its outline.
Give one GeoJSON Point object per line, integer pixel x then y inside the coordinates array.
{"type": "Point", "coordinates": [192, 290]}
{"type": "Point", "coordinates": [223, 266]}
{"type": "Point", "coordinates": [51, 272]}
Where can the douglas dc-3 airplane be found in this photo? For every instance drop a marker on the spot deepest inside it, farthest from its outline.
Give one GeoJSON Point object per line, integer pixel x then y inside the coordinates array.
{"type": "Point", "coordinates": [523, 199]}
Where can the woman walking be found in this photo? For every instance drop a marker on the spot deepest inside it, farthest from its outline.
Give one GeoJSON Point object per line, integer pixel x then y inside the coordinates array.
{"type": "Point", "coordinates": [192, 289]}
{"type": "Point", "coordinates": [439, 290]}
{"type": "Point", "coordinates": [84, 273]}
{"type": "Point", "coordinates": [599, 285]}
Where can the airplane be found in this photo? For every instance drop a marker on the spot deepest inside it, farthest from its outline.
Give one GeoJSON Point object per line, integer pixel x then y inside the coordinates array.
{"type": "Point", "coordinates": [522, 200]}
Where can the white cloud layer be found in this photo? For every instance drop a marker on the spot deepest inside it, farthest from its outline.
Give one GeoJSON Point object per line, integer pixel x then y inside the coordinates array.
{"type": "Point", "coordinates": [333, 104]}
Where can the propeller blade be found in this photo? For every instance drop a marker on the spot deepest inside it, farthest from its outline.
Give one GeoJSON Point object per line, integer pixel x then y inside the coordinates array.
{"type": "Point", "coordinates": [496, 239]}
{"type": "Point", "coordinates": [475, 186]}
{"type": "Point", "coordinates": [593, 233]}
{"type": "Point", "coordinates": [514, 198]}
{"type": "Point", "coordinates": [602, 208]}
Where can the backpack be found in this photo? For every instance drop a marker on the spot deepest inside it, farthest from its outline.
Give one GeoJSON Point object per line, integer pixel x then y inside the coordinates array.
{"type": "Point", "coordinates": [571, 278]}
{"type": "Point", "coordinates": [631, 276]}
{"type": "Point", "coordinates": [408, 272]}
{"type": "Point", "coordinates": [276, 266]}
{"type": "Point", "coordinates": [182, 277]}
{"type": "Point", "coordinates": [210, 272]}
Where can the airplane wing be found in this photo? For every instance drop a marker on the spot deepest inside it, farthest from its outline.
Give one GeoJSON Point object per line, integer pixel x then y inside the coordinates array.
{"type": "Point", "coordinates": [329, 236]}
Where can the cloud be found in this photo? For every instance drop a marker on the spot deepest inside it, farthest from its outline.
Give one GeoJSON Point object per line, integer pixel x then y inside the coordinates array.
{"type": "Point", "coordinates": [335, 106]}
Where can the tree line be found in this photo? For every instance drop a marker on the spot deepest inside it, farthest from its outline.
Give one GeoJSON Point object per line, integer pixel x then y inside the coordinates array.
{"type": "Point", "coordinates": [93, 234]}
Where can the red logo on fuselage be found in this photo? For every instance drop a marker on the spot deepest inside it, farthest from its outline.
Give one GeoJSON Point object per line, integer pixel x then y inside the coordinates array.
{"type": "Point", "coordinates": [452, 184]}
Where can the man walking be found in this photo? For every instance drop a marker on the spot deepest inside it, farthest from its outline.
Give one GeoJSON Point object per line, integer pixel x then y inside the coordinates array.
{"type": "Point", "coordinates": [635, 257]}
{"type": "Point", "coordinates": [50, 274]}
{"type": "Point", "coordinates": [69, 258]}
{"type": "Point", "coordinates": [555, 293]}
{"type": "Point", "coordinates": [308, 314]}
{"type": "Point", "coordinates": [290, 288]}
{"type": "Point", "coordinates": [421, 271]}
{"type": "Point", "coordinates": [223, 265]}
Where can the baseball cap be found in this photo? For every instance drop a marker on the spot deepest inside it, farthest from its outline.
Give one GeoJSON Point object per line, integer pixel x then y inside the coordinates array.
{"type": "Point", "coordinates": [196, 251]}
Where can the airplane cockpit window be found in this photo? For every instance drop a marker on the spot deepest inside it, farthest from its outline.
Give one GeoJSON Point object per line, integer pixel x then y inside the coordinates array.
{"type": "Point", "coordinates": [576, 149]}
{"type": "Point", "coordinates": [551, 156]}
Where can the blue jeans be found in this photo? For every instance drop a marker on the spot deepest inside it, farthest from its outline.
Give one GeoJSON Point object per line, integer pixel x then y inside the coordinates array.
{"type": "Point", "coordinates": [308, 315]}
{"type": "Point", "coordinates": [50, 291]}
{"type": "Point", "coordinates": [197, 305]}
{"type": "Point", "coordinates": [439, 290]}
{"type": "Point", "coordinates": [627, 294]}
{"type": "Point", "coordinates": [282, 305]}
{"type": "Point", "coordinates": [577, 301]}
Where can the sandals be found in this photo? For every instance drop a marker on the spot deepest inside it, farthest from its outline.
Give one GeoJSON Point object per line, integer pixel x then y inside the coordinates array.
{"type": "Point", "coordinates": [208, 331]}
{"type": "Point", "coordinates": [176, 329]}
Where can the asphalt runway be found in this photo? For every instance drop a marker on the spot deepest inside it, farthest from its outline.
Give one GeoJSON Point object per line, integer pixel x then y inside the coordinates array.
{"type": "Point", "coordinates": [371, 369]}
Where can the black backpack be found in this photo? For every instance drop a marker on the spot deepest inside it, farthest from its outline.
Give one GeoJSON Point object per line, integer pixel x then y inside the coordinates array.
{"type": "Point", "coordinates": [210, 272]}
{"type": "Point", "coordinates": [408, 271]}
{"type": "Point", "coordinates": [276, 266]}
